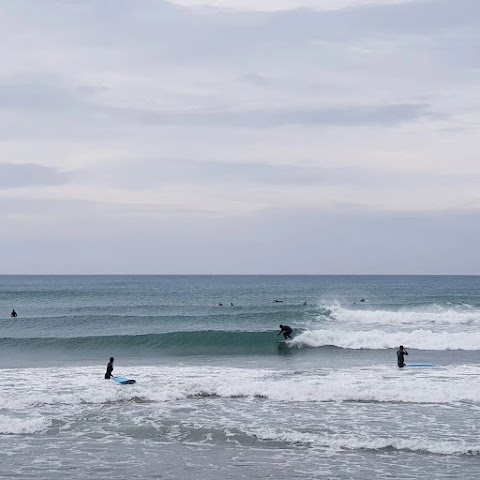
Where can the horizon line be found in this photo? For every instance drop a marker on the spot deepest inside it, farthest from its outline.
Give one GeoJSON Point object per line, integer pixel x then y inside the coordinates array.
{"type": "Point", "coordinates": [238, 274]}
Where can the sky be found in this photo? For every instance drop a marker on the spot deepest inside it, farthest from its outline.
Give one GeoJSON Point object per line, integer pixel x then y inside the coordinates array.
{"type": "Point", "coordinates": [240, 137]}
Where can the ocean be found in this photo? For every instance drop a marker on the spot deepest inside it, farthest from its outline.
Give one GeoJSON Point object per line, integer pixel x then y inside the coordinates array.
{"type": "Point", "coordinates": [220, 396]}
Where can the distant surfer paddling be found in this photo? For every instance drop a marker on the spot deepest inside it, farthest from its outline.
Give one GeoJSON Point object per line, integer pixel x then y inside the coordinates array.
{"type": "Point", "coordinates": [286, 330]}
{"type": "Point", "coordinates": [108, 373]}
{"type": "Point", "coordinates": [400, 353]}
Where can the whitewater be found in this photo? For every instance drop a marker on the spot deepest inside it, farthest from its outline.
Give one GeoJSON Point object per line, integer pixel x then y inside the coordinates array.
{"type": "Point", "coordinates": [219, 395]}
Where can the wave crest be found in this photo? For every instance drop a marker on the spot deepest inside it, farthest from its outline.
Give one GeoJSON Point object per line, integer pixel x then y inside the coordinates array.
{"type": "Point", "coordinates": [426, 315]}
{"type": "Point", "coordinates": [379, 340]}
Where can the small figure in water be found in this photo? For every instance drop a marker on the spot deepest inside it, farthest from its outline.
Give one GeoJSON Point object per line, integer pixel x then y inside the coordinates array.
{"type": "Point", "coordinates": [278, 301]}
{"type": "Point", "coordinates": [220, 304]}
{"type": "Point", "coordinates": [286, 330]}
{"type": "Point", "coordinates": [400, 353]}
{"type": "Point", "coordinates": [231, 304]}
{"type": "Point", "coordinates": [304, 303]}
{"type": "Point", "coordinates": [108, 374]}
{"type": "Point", "coordinates": [13, 314]}
{"type": "Point", "coordinates": [363, 300]}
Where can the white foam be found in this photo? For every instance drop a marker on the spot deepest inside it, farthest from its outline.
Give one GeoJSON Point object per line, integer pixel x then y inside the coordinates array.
{"type": "Point", "coordinates": [354, 385]}
{"type": "Point", "coordinates": [381, 384]}
{"type": "Point", "coordinates": [22, 426]}
{"type": "Point", "coordinates": [431, 315]}
{"type": "Point", "coordinates": [378, 339]}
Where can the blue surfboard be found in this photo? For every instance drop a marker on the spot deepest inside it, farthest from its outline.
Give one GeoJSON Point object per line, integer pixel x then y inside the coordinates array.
{"type": "Point", "coordinates": [419, 365]}
{"type": "Point", "coordinates": [123, 380]}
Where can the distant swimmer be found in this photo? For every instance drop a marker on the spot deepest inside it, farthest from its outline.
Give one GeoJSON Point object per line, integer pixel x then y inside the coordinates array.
{"type": "Point", "coordinates": [304, 303]}
{"type": "Point", "coordinates": [363, 300]}
{"type": "Point", "coordinates": [220, 304]}
{"type": "Point", "coordinates": [286, 330]}
{"type": "Point", "coordinates": [231, 304]}
{"type": "Point", "coordinates": [108, 374]}
{"type": "Point", "coordinates": [278, 301]}
{"type": "Point", "coordinates": [13, 314]}
{"type": "Point", "coordinates": [400, 353]}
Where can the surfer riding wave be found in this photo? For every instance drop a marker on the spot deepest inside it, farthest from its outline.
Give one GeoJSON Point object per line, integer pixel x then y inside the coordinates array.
{"type": "Point", "coordinates": [286, 330]}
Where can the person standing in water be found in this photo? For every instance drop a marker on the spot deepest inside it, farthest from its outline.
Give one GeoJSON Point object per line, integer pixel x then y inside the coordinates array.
{"type": "Point", "coordinates": [13, 314]}
{"type": "Point", "coordinates": [400, 353]}
{"type": "Point", "coordinates": [286, 330]}
{"type": "Point", "coordinates": [109, 371]}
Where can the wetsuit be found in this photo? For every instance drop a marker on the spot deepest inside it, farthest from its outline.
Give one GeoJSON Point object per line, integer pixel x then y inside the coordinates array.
{"type": "Point", "coordinates": [108, 374]}
{"type": "Point", "coordinates": [287, 331]}
{"type": "Point", "coordinates": [400, 360]}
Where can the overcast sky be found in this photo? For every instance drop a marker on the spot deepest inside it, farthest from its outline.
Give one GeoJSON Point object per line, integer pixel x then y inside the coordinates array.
{"type": "Point", "coordinates": [240, 136]}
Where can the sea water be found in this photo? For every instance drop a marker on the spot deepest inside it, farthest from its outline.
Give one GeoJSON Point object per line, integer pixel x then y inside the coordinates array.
{"type": "Point", "coordinates": [218, 397]}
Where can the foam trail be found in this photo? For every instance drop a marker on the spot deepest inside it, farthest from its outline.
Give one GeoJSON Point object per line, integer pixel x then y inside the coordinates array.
{"type": "Point", "coordinates": [364, 442]}
{"type": "Point", "coordinates": [379, 340]}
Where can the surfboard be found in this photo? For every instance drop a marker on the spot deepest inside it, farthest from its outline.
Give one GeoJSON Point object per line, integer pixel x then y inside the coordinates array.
{"type": "Point", "coordinates": [419, 365]}
{"type": "Point", "coordinates": [123, 380]}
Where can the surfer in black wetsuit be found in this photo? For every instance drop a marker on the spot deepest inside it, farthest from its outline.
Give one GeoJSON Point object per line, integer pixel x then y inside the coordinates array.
{"type": "Point", "coordinates": [13, 314]}
{"type": "Point", "coordinates": [286, 330]}
{"type": "Point", "coordinates": [400, 353]}
{"type": "Point", "coordinates": [108, 374]}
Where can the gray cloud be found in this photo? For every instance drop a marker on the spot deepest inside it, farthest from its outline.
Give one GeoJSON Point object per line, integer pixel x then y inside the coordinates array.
{"type": "Point", "coordinates": [14, 175]}
{"type": "Point", "coordinates": [47, 93]}
{"type": "Point", "coordinates": [52, 95]}
{"type": "Point", "coordinates": [33, 96]}
{"type": "Point", "coordinates": [114, 80]}
{"type": "Point", "coordinates": [167, 171]}
{"type": "Point", "coordinates": [304, 241]}
{"type": "Point", "coordinates": [177, 172]}
{"type": "Point", "coordinates": [256, 79]}
{"type": "Point", "coordinates": [178, 34]}
{"type": "Point", "coordinates": [420, 16]}
{"type": "Point", "coordinates": [353, 115]}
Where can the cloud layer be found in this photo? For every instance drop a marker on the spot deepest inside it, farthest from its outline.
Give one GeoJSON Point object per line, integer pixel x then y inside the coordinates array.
{"type": "Point", "coordinates": [204, 125]}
